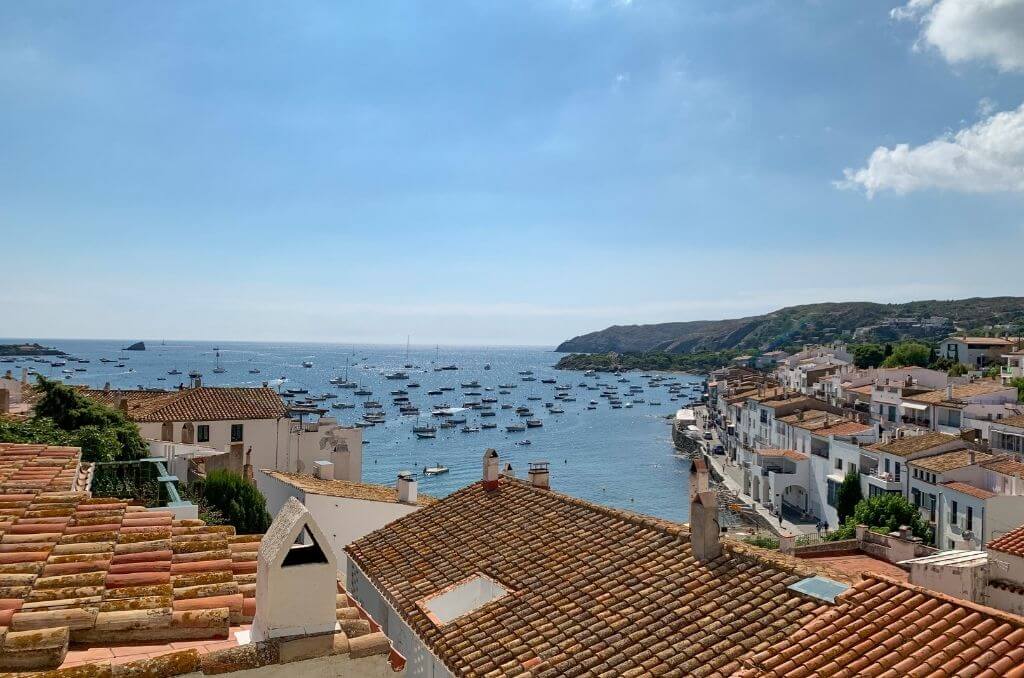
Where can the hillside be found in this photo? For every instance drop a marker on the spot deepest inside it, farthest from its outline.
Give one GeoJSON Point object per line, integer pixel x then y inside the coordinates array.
{"type": "Point", "coordinates": [795, 325]}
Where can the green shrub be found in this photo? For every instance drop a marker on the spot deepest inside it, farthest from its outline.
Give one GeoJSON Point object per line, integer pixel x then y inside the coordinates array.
{"type": "Point", "coordinates": [238, 500]}
{"type": "Point", "coordinates": [848, 495]}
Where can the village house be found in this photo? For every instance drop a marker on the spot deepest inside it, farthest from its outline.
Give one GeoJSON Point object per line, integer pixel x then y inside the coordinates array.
{"type": "Point", "coordinates": [1014, 367]}
{"type": "Point", "coordinates": [534, 581]}
{"type": "Point", "coordinates": [948, 409]}
{"type": "Point", "coordinates": [975, 352]}
{"type": "Point", "coordinates": [343, 509]}
{"type": "Point", "coordinates": [1007, 435]}
{"type": "Point", "coordinates": [250, 424]}
{"type": "Point", "coordinates": [98, 586]}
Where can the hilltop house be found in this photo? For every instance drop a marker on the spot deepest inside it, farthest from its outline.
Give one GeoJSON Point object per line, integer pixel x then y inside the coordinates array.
{"type": "Point", "coordinates": [975, 352]}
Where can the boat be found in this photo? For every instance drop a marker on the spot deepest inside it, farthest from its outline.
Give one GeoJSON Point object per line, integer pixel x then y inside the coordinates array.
{"type": "Point", "coordinates": [556, 410]}
{"type": "Point", "coordinates": [254, 370]}
{"type": "Point", "coordinates": [435, 392]}
{"type": "Point", "coordinates": [435, 470]}
{"type": "Point", "coordinates": [161, 378]}
{"type": "Point", "coordinates": [293, 391]}
{"type": "Point", "coordinates": [457, 420]}
{"type": "Point", "coordinates": [488, 413]}
{"type": "Point", "coordinates": [426, 434]}
{"type": "Point", "coordinates": [529, 378]}
{"type": "Point", "coordinates": [547, 381]}
{"type": "Point", "coordinates": [470, 384]}
{"type": "Point", "coordinates": [533, 397]}
{"type": "Point", "coordinates": [106, 360]}
{"type": "Point", "coordinates": [526, 372]}
{"type": "Point", "coordinates": [396, 375]}
{"type": "Point", "coordinates": [488, 426]}
{"type": "Point", "coordinates": [412, 384]}
{"type": "Point", "coordinates": [629, 406]}
{"type": "Point", "coordinates": [218, 369]}
{"type": "Point", "coordinates": [343, 406]}
{"type": "Point", "coordinates": [307, 364]}
{"type": "Point", "coordinates": [471, 429]}
{"type": "Point", "coordinates": [423, 429]}
{"type": "Point", "coordinates": [506, 406]}
{"type": "Point", "coordinates": [515, 428]}
{"type": "Point", "coordinates": [363, 392]}
{"type": "Point", "coordinates": [591, 407]}
{"type": "Point", "coordinates": [534, 423]}
{"type": "Point", "coordinates": [400, 392]}
{"type": "Point", "coordinates": [523, 442]}
{"type": "Point", "coordinates": [487, 366]}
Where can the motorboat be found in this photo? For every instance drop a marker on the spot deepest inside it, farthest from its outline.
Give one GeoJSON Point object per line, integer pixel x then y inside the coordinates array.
{"type": "Point", "coordinates": [412, 384]}
{"type": "Point", "coordinates": [523, 442]}
{"type": "Point", "coordinates": [534, 423]}
{"type": "Point", "coordinates": [343, 406]}
{"type": "Point", "coordinates": [307, 364]}
{"type": "Point", "coordinates": [435, 470]}
{"type": "Point", "coordinates": [395, 376]}
{"type": "Point", "coordinates": [426, 434]}
{"type": "Point", "coordinates": [423, 429]}
{"type": "Point", "coordinates": [470, 384]}
{"type": "Point", "coordinates": [488, 426]}
{"type": "Point", "coordinates": [515, 428]}
{"type": "Point", "coordinates": [363, 392]}
{"type": "Point", "coordinates": [471, 429]}
{"type": "Point", "coordinates": [547, 381]}
{"type": "Point", "coordinates": [174, 372]}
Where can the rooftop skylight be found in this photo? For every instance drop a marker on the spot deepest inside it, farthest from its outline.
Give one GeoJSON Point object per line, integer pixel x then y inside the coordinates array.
{"type": "Point", "coordinates": [467, 596]}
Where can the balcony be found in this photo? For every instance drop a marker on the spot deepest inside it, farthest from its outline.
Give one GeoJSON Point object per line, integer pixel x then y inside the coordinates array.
{"type": "Point", "coordinates": [1011, 372]}
{"type": "Point", "coordinates": [884, 481]}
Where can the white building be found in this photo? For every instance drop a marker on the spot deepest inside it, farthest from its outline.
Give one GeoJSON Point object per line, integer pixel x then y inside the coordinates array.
{"type": "Point", "coordinates": [250, 424]}
{"type": "Point", "coordinates": [975, 352]}
{"type": "Point", "coordinates": [344, 510]}
{"type": "Point", "coordinates": [1014, 367]}
{"type": "Point", "coordinates": [1007, 435]}
{"type": "Point", "coordinates": [944, 409]}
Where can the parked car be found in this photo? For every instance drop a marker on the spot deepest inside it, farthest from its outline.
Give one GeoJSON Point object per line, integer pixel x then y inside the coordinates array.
{"type": "Point", "coordinates": [707, 435]}
{"type": "Point", "coordinates": [718, 449]}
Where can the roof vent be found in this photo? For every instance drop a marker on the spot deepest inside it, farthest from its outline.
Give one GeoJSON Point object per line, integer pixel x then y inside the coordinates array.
{"type": "Point", "coordinates": [467, 596]}
{"type": "Point", "coordinates": [821, 588]}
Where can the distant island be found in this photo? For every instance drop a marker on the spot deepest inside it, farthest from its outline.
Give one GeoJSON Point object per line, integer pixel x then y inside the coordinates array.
{"type": "Point", "coordinates": [702, 345]}
{"type": "Point", "coordinates": [137, 346]}
{"type": "Point", "coordinates": [28, 350]}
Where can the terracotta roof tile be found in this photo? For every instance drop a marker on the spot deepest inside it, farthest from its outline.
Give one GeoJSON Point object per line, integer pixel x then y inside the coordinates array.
{"type": "Point", "coordinates": [206, 403]}
{"type": "Point", "coordinates": [885, 627]}
{"type": "Point", "coordinates": [960, 392]}
{"type": "Point", "coordinates": [788, 454]}
{"type": "Point", "coordinates": [823, 423]}
{"type": "Point", "coordinates": [913, 443]}
{"type": "Point", "coordinates": [40, 468]}
{"type": "Point", "coordinates": [591, 590]}
{"type": "Point", "coordinates": [343, 488]}
{"type": "Point", "coordinates": [1006, 466]}
{"type": "Point", "coordinates": [948, 461]}
{"type": "Point", "coordinates": [1017, 421]}
{"type": "Point", "coordinates": [1012, 542]}
{"type": "Point", "coordinates": [969, 490]}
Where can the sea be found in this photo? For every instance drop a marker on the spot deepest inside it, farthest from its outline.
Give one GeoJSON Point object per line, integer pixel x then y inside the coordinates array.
{"type": "Point", "coordinates": [622, 458]}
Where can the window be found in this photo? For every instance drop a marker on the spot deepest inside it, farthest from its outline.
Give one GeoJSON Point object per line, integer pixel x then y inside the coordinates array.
{"type": "Point", "coordinates": [970, 518]}
{"type": "Point", "coordinates": [897, 471]}
{"type": "Point", "coordinates": [236, 433]}
{"type": "Point", "coordinates": [886, 465]}
{"type": "Point", "coordinates": [952, 513]}
{"type": "Point", "coordinates": [833, 487]}
{"type": "Point", "coordinates": [931, 507]}
{"type": "Point", "coordinates": [892, 413]}
{"type": "Point", "coordinates": [839, 464]}
{"type": "Point", "coordinates": [764, 416]}
{"type": "Point", "coordinates": [915, 497]}
{"type": "Point", "coordinates": [203, 433]}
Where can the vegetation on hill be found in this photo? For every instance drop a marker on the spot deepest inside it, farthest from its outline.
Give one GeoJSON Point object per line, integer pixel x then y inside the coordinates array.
{"type": "Point", "coordinates": [790, 327]}
{"type": "Point", "coordinates": [28, 349]}
{"type": "Point", "coordinates": [63, 416]}
{"type": "Point", "coordinates": [653, 360]}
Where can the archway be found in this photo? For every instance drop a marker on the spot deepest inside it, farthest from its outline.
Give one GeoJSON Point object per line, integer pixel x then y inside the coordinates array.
{"type": "Point", "coordinates": [167, 432]}
{"type": "Point", "coordinates": [188, 433]}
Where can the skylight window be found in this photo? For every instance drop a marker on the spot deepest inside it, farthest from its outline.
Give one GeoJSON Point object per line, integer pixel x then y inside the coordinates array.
{"type": "Point", "coordinates": [821, 588]}
{"type": "Point", "coordinates": [467, 596]}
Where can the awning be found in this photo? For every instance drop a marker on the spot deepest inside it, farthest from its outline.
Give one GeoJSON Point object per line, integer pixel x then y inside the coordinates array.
{"type": "Point", "coordinates": [913, 406]}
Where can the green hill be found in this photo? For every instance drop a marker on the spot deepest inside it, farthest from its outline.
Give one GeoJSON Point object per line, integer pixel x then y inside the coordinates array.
{"type": "Point", "coordinates": [790, 327]}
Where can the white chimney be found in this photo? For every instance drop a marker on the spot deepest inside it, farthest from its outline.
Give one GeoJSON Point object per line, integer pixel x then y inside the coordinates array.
{"type": "Point", "coordinates": [491, 466]}
{"type": "Point", "coordinates": [508, 472]}
{"type": "Point", "coordinates": [949, 391]}
{"type": "Point", "coordinates": [323, 469]}
{"type": "Point", "coordinates": [407, 487]}
{"type": "Point", "coordinates": [540, 475]}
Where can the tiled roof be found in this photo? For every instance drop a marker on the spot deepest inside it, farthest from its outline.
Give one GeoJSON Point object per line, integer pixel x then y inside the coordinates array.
{"type": "Point", "coordinates": [992, 341]}
{"type": "Point", "coordinates": [948, 461]}
{"type": "Point", "coordinates": [592, 590]}
{"type": "Point", "coordinates": [960, 392]}
{"type": "Point", "coordinates": [41, 468]}
{"type": "Point", "coordinates": [912, 444]}
{"type": "Point", "coordinates": [969, 490]}
{"type": "Point", "coordinates": [884, 627]}
{"type": "Point", "coordinates": [866, 389]}
{"type": "Point", "coordinates": [824, 423]}
{"type": "Point", "coordinates": [206, 403]}
{"type": "Point", "coordinates": [788, 454]}
{"type": "Point", "coordinates": [343, 488]}
{"type": "Point", "coordinates": [1006, 466]}
{"type": "Point", "coordinates": [1012, 542]}
{"type": "Point", "coordinates": [1016, 421]}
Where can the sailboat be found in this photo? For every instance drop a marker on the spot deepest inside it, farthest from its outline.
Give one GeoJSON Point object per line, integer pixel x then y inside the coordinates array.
{"type": "Point", "coordinates": [441, 368]}
{"type": "Point", "coordinates": [218, 369]}
{"type": "Point", "coordinates": [408, 365]}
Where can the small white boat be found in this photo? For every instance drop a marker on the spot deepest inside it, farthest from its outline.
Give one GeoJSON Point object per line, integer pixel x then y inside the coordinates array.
{"type": "Point", "coordinates": [306, 363]}
{"type": "Point", "coordinates": [426, 434]}
{"type": "Point", "coordinates": [435, 470]}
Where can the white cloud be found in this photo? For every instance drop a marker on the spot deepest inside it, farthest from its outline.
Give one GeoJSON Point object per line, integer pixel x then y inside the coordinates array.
{"type": "Point", "coordinates": [967, 30]}
{"type": "Point", "coordinates": [986, 107]}
{"type": "Point", "coordinates": [983, 158]}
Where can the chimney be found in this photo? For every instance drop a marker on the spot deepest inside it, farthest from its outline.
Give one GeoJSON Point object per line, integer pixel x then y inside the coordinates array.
{"type": "Point", "coordinates": [704, 528]}
{"type": "Point", "coordinates": [122, 405]}
{"type": "Point", "coordinates": [972, 456]}
{"type": "Point", "coordinates": [323, 470]}
{"type": "Point", "coordinates": [799, 415]}
{"type": "Point", "coordinates": [24, 375]}
{"type": "Point", "coordinates": [106, 387]}
{"type": "Point", "coordinates": [539, 474]}
{"type": "Point", "coordinates": [406, 488]}
{"type": "Point", "coordinates": [949, 391]}
{"type": "Point", "coordinates": [5, 401]}
{"type": "Point", "coordinates": [507, 472]}
{"type": "Point", "coordinates": [491, 461]}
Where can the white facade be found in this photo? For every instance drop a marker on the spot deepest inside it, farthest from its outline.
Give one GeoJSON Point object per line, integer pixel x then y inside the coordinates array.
{"type": "Point", "coordinates": [342, 519]}
{"type": "Point", "coordinates": [974, 352]}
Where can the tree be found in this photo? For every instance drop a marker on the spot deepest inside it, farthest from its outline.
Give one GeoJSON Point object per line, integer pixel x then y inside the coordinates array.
{"type": "Point", "coordinates": [890, 511]}
{"type": "Point", "coordinates": [1018, 383]}
{"type": "Point", "coordinates": [103, 433]}
{"type": "Point", "coordinates": [848, 494]}
{"type": "Point", "coordinates": [238, 500]}
{"type": "Point", "coordinates": [958, 370]}
{"type": "Point", "coordinates": [868, 355]}
{"type": "Point", "coordinates": [909, 354]}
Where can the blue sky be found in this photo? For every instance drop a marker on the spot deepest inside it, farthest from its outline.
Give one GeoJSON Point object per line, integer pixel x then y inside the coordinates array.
{"type": "Point", "coordinates": [501, 173]}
